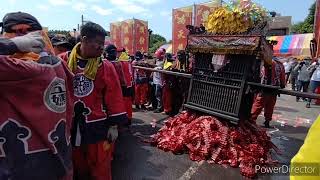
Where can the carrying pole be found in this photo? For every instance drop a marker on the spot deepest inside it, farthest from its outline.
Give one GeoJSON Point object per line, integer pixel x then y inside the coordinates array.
{"type": "Point", "coordinates": [254, 85]}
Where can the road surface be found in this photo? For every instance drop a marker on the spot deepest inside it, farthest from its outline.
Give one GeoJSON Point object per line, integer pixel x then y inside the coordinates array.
{"type": "Point", "coordinates": [136, 160]}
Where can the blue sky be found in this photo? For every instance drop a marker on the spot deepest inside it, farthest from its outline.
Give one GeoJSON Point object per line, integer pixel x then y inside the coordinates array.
{"type": "Point", "coordinates": [66, 14]}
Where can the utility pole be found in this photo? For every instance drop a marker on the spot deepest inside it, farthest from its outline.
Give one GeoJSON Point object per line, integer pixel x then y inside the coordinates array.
{"type": "Point", "coordinates": [82, 20]}
{"type": "Point", "coordinates": [150, 33]}
{"type": "Point", "coordinates": [74, 33]}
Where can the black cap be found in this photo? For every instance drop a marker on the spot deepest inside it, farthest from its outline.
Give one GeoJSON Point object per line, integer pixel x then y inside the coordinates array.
{"type": "Point", "coordinates": [12, 19]}
{"type": "Point", "coordinates": [169, 56]}
{"type": "Point", "coordinates": [61, 41]}
{"type": "Point", "coordinates": [110, 47]}
{"type": "Point", "coordinates": [138, 55]}
{"type": "Point", "coordinates": [181, 52]}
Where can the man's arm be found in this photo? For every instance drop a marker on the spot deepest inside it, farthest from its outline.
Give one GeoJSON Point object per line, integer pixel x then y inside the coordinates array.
{"type": "Point", "coordinates": [7, 47]}
{"type": "Point", "coordinates": [32, 42]}
{"type": "Point", "coordinates": [113, 96]}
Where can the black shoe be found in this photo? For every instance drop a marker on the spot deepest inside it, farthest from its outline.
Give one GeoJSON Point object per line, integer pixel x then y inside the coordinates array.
{"type": "Point", "coordinates": [151, 108]}
{"type": "Point", "coordinates": [137, 107]}
{"type": "Point", "coordinates": [308, 105]}
{"type": "Point", "coordinates": [266, 124]}
{"type": "Point", "coordinates": [172, 114]}
{"type": "Point", "coordinates": [143, 107]}
{"type": "Point", "coordinates": [297, 99]}
{"type": "Point", "coordinates": [158, 111]}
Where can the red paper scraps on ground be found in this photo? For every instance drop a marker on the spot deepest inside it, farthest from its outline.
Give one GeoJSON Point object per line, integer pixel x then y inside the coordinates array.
{"type": "Point", "coordinates": [207, 138]}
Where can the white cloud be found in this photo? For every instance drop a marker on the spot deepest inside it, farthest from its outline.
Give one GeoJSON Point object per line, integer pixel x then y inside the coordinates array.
{"type": "Point", "coordinates": [93, 1]}
{"type": "Point", "coordinates": [101, 11]}
{"type": "Point", "coordinates": [119, 2]}
{"type": "Point", "coordinates": [130, 2]}
{"type": "Point", "coordinates": [120, 18]}
{"type": "Point", "coordinates": [165, 13]}
{"type": "Point", "coordinates": [132, 6]}
{"type": "Point", "coordinates": [12, 2]}
{"type": "Point", "coordinates": [59, 2]}
{"type": "Point", "coordinates": [147, 2]}
{"type": "Point", "coordinates": [80, 6]}
{"type": "Point", "coordinates": [147, 15]}
{"type": "Point", "coordinates": [43, 7]}
{"type": "Point", "coordinates": [133, 9]}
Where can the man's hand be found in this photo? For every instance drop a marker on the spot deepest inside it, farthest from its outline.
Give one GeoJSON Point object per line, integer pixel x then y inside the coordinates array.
{"type": "Point", "coordinates": [32, 42]}
{"type": "Point", "coordinates": [112, 134]}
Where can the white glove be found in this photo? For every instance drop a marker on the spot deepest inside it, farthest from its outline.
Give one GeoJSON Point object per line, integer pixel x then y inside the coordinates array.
{"type": "Point", "coordinates": [112, 133]}
{"type": "Point", "coordinates": [32, 42]}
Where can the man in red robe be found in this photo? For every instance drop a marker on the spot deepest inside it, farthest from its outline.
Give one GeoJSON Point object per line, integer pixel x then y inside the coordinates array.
{"type": "Point", "coordinates": [36, 108]}
{"type": "Point", "coordinates": [141, 82]}
{"type": "Point", "coordinates": [273, 75]}
{"type": "Point", "coordinates": [127, 90]}
{"type": "Point", "coordinates": [99, 105]}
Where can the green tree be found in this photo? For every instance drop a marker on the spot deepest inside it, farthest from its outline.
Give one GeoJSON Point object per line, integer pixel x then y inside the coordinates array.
{"type": "Point", "coordinates": [307, 25]}
{"type": "Point", "coordinates": [156, 41]}
{"type": "Point", "coordinates": [64, 32]}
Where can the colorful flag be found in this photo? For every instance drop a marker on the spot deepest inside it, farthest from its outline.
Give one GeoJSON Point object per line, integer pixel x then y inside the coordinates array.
{"type": "Point", "coordinates": [202, 11]}
{"type": "Point", "coordinates": [181, 18]}
{"type": "Point", "coordinates": [115, 33]}
{"type": "Point", "coordinates": [127, 37]}
{"type": "Point", "coordinates": [141, 36]}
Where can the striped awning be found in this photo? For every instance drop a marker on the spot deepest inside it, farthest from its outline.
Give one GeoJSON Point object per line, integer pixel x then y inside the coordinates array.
{"type": "Point", "coordinates": [297, 45]}
{"type": "Point", "coordinates": [167, 47]}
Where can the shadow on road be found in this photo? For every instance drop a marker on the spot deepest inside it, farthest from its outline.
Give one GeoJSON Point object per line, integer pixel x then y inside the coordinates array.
{"type": "Point", "coordinates": [131, 158]}
{"type": "Point", "coordinates": [285, 109]}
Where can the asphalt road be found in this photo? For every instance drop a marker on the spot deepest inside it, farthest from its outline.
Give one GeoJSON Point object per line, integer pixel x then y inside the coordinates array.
{"type": "Point", "coordinates": [136, 160]}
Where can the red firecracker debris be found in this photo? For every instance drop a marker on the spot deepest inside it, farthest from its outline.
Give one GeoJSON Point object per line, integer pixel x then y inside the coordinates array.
{"type": "Point", "coordinates": [207, 138]}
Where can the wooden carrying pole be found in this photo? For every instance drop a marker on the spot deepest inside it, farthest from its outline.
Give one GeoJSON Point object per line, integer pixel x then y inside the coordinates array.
{"type": "Point", "coordinates": [257, 85]}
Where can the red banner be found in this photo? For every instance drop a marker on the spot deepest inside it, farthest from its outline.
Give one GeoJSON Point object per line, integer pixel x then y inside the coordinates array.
{"type": "Point", "coordinates": [115, 33]}
{"type": "Point", "coordinates": [127, 35]}
{"type": "Point", "coordinates": [181, 18]}
{"type": "Point", "coordinates": [141, 36]}
{"type": "Point", "coordinates": [202, 11]}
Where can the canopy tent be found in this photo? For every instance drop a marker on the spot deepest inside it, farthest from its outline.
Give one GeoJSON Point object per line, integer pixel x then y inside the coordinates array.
{"type": "Point", "coordinates": [297, 45]}
{"type": "Point", "coordinates": [167, 47]}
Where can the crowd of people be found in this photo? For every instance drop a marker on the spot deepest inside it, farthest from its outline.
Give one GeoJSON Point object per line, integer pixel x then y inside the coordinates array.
{"type": "Point", "coordinates": [148, 90]}
{"type": "Point", "coordinates": [154, 90]}
{"type": "Point", "coordinates": [304, 76]}
{"type": "Point", "coordinates": [63, 99]}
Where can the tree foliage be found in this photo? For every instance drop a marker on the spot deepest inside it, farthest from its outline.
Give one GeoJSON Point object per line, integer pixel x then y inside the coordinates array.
{"type": "Point", "coordinates": [156, 41]}
{"type": "Point", "coordinates": [64, 32]}
{"type": "Point", "coordinates": [307, 25]}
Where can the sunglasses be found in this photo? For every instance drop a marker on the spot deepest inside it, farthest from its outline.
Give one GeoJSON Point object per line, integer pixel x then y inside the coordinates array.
{"type": "Point", "coordinates": [20, 29]}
